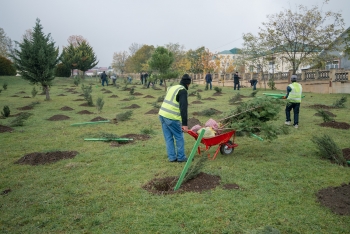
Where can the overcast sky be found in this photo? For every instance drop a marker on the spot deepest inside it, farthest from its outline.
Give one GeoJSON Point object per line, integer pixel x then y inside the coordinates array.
{"type": "Point", "coordinates": [113, 25]}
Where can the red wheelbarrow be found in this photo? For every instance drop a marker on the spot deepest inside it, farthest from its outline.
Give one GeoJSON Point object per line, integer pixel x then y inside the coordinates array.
{"type": "Point", "coordinates": [225, 145]}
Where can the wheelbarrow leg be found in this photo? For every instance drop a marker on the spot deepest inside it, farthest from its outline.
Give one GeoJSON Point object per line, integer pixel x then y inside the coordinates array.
{"type": "Point", "coordinates": [215, 154]}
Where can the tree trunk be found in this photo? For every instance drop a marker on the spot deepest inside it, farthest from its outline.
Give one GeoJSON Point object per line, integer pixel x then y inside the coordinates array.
{"type": "Point", "coordinates": [46, 88]}
{"type": "Point", "coordinates": [165, 85]}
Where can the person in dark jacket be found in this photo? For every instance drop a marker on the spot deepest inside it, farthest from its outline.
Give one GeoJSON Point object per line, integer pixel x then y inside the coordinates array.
{"type": "Point", "coordinates": [253, 83]}
{"type": "Point", "coordinates": [208, 80]}
{"type": "Point", "coordinates": [236, 79]}
{"type": "Point", "coordinates": [104, 78]}
{"type": "Point", "coordinates": [173, 115]}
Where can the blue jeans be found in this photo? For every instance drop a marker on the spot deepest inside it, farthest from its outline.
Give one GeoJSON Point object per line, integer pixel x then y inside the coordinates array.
{"type": "Point", "coordinates": [173, 134]}
{"type": "Point", "coordinates": [295, 107]}
{"type": "Point", "coordinates": [236, 84]}
{"type": "Point", "coordinates": [103, 82]}
{"type": "Point", "coordinates": [254, 85]}
{"type": "Point", "coordinates": [209, 85]}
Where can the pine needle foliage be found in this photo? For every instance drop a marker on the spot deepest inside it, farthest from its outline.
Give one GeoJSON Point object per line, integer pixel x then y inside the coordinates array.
{"type": "Point", "coordinates": [207, 112]}
{"type": "Point", "coordinates": [5, 86]}
{"type": "Point", "coordinates": [19, 120]}
{"type": "Point", "coordinates": [235, 98]}
{"type": "Point", "coordinates": [6, 111]}
{"type": "Point", "coordinates": [124, 116]}
{"type": "Point", "coordinates": [252, 116]}
{"type": "Point", "coordinates": [156, 105]}
{"type": "Point", "coordinates": [34, 92]}
{"type": "Point", "coordinates": [340, 103]}
{"type": "Point", "coordinates": [253, 94]}
{"type": "Point", "coordinates": [37, 58]}
{"type": "Point", "coordinates": [195, 168]}
{"type": "Point", "coordinates": [326, 117]}
{"type": "Point", "coordinates": [76, 80]}
{"type": "Point", "coordinates": [328, 149]}
{"type": "Point", "coordinates": [99, 104]}
{"type": "Point", "coordinates": [199, 97]}
{"type": "Point", "coordinates": [87, 90]}
{"type": "Point", "coordinates": [161, 98]}
{"type": "Point", "coordinates": [218, 90]}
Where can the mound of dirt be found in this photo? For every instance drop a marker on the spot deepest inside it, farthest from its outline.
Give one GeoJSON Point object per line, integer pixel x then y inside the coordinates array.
{"type": "Point", "coordinates": [165, 186]}
{"type": "Point", "coordinates": [153, 111]}
{"type": "Point", "coordinates": [346, 154]}
{"type": "Point", "coordinates": [214, 110]}
{"type": "Point", "coordinates": [137, 94]}
{"type": "Point", "coordinates": [21, 92]}
{"type": "Point", "coordinates": [199, 90]}
{"type": "Point", "coordinates": [26, 97]}
{"type": "Point", "coordinates": [37, 158]}
{"type": "Point", "coordinates": [113, 96]}
{"type": "Point", "coordinates": [25, 108]}
{"type": "Point", "coordinates": [86, 104]}
{"type": "Point", "coordinates": [192, 122]}
{"type": "Point", "coordinates": [98, 118]}
{"type": "Point", "coordinates": [336, 198]}
{"type": "Point", "coordinates": [337, 125]}
{"type": "Point", "coordinates": [62, 95]}
{"type": "Point", "coordinates": [133, 106]}
{"type": "Point", "coordinates": [209, 98]}
{"type": "Point", "coordinates": [148, 96]}
{"type": "Point", "coordinates": [78, 100]}
{"type": "Point", "coordinates": [197, 102]}
{"type": "Point", "coordinates": [125, 99]}
{"type": "Point", "coordinates": [217, 94]}
{"type": "Point", "coordinates": [5, 129]}
{"type": "Point", "coordinates": [84, 112]}
{"type": "Point", "coordinates": [327, 112]}
{"type": "Point", "coordinates": [66, 108]}
{"type": "Point", "coordinates": [14, 96]}
{"type": "Point", "coordinates": [320, 106]}
{"type": "Point", "coordinates": [58, 118]}
{"type": "Point", "coordinates": [107, 91]}
{"type": "Point", "coordinates": [134, 137]}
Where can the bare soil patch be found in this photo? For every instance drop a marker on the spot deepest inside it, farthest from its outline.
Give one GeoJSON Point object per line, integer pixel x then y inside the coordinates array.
{"type": "Point", "coordinates": [135, 137]}
{"type": "Point", "coordinates": [197, 102]}
{"type": "Point", "coordinates": [148, 96]}
{"type": "Point", "coordinates": [336, 198]}
{"type": "Point", "coordinates": [192, 122]}
{"type": "Point", "coordinates": [107, 91]}
{"type": "Point", "coordinates": [209, 98]}
{"type": "Point", "coordinates": [165, 186]}
{"type": "Point", "coordinates": [137, 94]}
{"type": "Point", "coordinates": [113, 96]}
{"type": "Point", "coordinates": [66, 108]}
{"type": "Point", "coordinates": [125, 99]}
{"type": "Point", "coordinates": [21, 92]}
{"type": "Point", "coordinates": [26, 97]}
{"type": "Point", "coordinates": [98, 118]}
{"type": "Point", "coordinates": [79, 99]}
{"type": "Point", "coordinates": [327, 112]}
{"type": "Point", "coordinates": [153, 111]}
{"type": "Point", "coordinates": [320, 106]}
{"type": "Point", "coordinates": [38, 158]}
{"type": "Point", "coordinates": [86, 104]}
{"type": "Point", "coordinates": [337, 125]}
{"type": "Point", "coordinates": [199, 90]}
{"type": "Point", "coordinates": [62, 95]}
{"type": "Point", "coordinates": [14, 96]}
{"type": "Point", "coordinates": [133, 106]}
{"type": "Point", "coordinates": [58, 118]}
{"type": "Point", "coordinates": [25, 108]}
{"type": "Point", "coordinates": [5, 129]}
{"type": "Point", "coordinates": [85, 112]}
{"type": "Point", "coordinates": [217, 94]}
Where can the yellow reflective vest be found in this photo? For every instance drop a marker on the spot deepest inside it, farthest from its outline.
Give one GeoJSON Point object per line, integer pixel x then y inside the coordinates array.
{"type": "Point", "coordinates": [295, 95]}
{"type": "Point", "coordinates": [170, 107]}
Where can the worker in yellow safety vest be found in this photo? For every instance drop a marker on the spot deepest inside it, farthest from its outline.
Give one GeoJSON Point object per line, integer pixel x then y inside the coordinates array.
{"type": "Point", "coordinates": [293, 96]}
{"type": "Point", "coordinates": [173, 117]}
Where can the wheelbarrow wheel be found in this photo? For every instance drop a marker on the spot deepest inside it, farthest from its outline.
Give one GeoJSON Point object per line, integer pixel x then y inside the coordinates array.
{"type": "Point", "coordinates": [225, 150]}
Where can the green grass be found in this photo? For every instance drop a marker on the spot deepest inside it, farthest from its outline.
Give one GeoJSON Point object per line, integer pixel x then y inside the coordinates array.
{"type": "Point", "coordinates": [99, 191]}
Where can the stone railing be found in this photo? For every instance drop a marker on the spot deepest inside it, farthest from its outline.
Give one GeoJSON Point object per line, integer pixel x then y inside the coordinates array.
{"type": "Point", "coordinates": [341, 76]}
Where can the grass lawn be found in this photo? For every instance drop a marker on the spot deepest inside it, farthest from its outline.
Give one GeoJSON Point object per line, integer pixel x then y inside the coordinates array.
{"type": "Point", "coordinates": [100, 189]}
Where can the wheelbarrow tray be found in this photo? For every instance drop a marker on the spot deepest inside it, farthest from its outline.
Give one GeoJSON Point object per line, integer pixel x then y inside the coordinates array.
{"type": "Point", "coordinates": [222, 140]}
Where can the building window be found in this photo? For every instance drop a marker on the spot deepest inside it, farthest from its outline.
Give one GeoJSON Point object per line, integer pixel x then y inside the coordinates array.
{"type": "Point", "coordinates": [251, 68]}
{"type": "Point", "coordinates": [333, 64]}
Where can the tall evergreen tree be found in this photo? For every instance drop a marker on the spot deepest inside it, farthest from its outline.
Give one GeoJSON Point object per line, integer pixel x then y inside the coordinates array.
{"type": "Point", "coordinates": [69, 57]}
{"type": "Point", "coordinates": [87, 58]}
{"type": "Point", "coordinates": [37, 58]}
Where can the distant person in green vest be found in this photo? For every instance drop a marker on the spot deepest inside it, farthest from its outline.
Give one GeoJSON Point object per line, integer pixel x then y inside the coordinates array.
{"type": "Point", "coordinates": [293, 96]}
{"type": "Point", "coordinates": [173, 117]}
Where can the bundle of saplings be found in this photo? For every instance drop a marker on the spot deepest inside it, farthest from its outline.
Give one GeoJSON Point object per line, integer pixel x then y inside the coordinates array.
{"type": "Point", "coordinates": [254, 116]}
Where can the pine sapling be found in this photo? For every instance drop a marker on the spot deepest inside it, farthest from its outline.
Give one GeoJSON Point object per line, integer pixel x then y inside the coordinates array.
{"type": "Point", "coordinates": [326, 117]}
{"type": "Point", "coordinates": [124, 116]}
{"type": "Point", "coordinates": [6, 112]}
{"type": "Point", "coordinates": [217, 89]}
{"type": "Point", "coordinates": [99, 104]}
{"type": "Point", "coordinates": [328, 149]}
{"type": "Point", "coordinates": [4, 86]}
{"type": "Point", "coordinates": [34, 92]}
{"type": "Point", "coordinates": [19, 120]}
{"type": "Point", "coordinates": [199, 97]}
{"type": "Point", "coordinates": [340, 103]}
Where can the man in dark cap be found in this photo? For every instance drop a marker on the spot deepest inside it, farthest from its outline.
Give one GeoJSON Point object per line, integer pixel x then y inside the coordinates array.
{"type": "Point", "coordinates": [173, 117]}
{"type": "Point", "coordinates": [294, 92]}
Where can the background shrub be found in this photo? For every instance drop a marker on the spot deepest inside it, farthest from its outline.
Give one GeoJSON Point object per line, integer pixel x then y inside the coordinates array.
{"type": "Point", "coordinates": [6, 67]}
{"type": "Point", "coordinates": [62, 71]}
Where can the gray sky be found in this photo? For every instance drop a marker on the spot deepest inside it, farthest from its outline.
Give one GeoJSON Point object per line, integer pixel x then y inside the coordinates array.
{"type": "Point", "coordinates": [113, 25]}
